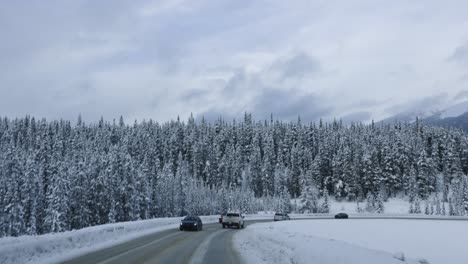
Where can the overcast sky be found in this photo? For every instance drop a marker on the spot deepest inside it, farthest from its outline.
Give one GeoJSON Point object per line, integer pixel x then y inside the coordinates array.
{"type": "Point", "coordinates": [356, 60]}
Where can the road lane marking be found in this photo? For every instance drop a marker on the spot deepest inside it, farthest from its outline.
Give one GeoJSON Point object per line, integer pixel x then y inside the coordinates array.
{"type": "Point", "coordinates": [202, 249]}
{"type": "Point", "coordinates": [139, 247]}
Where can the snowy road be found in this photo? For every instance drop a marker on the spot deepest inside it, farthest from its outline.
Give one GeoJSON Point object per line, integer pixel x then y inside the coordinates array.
{"type": "Point", "coordinates": [171, 246]}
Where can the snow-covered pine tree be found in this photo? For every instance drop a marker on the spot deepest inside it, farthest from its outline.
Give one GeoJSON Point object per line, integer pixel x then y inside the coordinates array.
{"type": "Point", "coordinates": [426, 175]}
{"type": "Point", "coordinates": [183, 192]}
{"type": "Point", "coordinates": [411, 208]}
{"type": "Point", "coordinates": [118, 172]}
{"type": "Point", "coordinates": [451, 211]}
{"type": "Point", "coordinates": [417, 206]}
{"type": "Point", "coordinates": [308, 197]}
{"type": "Point", "coordinates": [370, 203]}
{"type": "Point", "coordinates": [325, 206]}
{"type": "Point", "coordinates": [379, 204]}
{"type": "Point", "coordinates": [427, 208]}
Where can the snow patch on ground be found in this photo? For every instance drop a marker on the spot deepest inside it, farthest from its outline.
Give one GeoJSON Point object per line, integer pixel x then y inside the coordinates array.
{"type": "Point", "coordinates": [291, 242]}
{"type": "Point", "coordinates": [354, 241]}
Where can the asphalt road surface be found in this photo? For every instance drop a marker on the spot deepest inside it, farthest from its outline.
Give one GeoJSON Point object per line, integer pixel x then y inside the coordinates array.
{"type": "Point", "coordinates": [172, 247]}
{"type": "Point", "coordinates": [211, 245]}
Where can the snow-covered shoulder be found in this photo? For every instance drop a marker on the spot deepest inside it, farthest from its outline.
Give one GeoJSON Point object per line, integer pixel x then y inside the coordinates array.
{"type": "Point", "coordinates": [291, 243]}
{"type": "Point", "coordinates": [353, 241]}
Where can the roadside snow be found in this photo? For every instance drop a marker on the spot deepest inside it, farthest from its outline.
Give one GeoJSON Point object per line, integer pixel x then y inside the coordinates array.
{"type": "Point", "coordinates": [55, 247]}
{"type": "Point", "coordinates": [289, 242]}
{"type": "Point", "coordinates": [354, 241]}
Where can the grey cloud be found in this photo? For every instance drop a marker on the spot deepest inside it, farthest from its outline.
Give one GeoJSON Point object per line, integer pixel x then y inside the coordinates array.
{"type": "Point", "coordinates": [367, 103]}
{"type": "Point", "coordinates": [283, 104]}
{"type": "Point", "coordinates": [237, 83]}
{"type": "Point", "coordinates": [195, 94]}
{"type": "Point", "coordinates": [461, 55]}
{"type": "Point", "coordinates": [65, 57]}
{"type": "Point", "coordinates": [297, 66]}
{"type": "Point", "coordinates": [263, 94]}
{"type": "Point", "coordinates": [289, 104]}
{"type": "Point", "coordinates": [417, 107]}
{"type": "Point", "coordinates": [461, 95]}
{"type": "Point", "coordinates": [356, 117]}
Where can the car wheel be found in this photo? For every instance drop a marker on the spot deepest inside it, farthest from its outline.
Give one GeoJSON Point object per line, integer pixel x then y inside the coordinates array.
{"type": "Point", "coordinates": [224, 226]}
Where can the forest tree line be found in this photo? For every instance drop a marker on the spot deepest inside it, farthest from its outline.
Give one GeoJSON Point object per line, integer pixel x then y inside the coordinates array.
{"type": "Point", "coordinates": [59, 175]}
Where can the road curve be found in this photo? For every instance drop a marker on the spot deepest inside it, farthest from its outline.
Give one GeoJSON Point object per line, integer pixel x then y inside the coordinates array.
{"type": "Point", "coordinates": [211, 245]}
{"type": "Point", "coordinates": [170, 246]}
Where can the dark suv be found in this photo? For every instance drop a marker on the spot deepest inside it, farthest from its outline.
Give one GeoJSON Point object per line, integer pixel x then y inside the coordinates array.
{"type": "Point", "coordinates": [191, 223]}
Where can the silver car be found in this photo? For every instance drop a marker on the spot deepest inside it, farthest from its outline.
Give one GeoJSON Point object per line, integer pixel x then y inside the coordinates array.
{"type": "Point", "coordinates": [281, 217]}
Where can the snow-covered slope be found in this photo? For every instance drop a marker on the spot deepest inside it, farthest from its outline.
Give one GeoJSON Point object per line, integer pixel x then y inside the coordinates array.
{"type": "Point", "coordinates": [355, 241]}
{"type": "Point", "coordinates": [294, 242]}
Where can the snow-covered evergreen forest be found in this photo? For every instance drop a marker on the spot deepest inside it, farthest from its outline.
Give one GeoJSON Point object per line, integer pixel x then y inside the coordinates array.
{"type": "Point", "coordinates": [63, 175]}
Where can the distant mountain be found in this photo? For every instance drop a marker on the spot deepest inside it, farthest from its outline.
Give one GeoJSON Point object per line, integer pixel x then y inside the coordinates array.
{"type": "Point", "coordinates": [460, 121]}
{"type": "Point", "coordinates": [455, 110]}
{"type": "Point", "coordinates": [453, 116]}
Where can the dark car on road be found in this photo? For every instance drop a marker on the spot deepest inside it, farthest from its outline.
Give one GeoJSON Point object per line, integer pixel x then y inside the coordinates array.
{"type": "Point", "coordinates": [191, 223]}
{"type": "Point", "coordinates": [341, 216]}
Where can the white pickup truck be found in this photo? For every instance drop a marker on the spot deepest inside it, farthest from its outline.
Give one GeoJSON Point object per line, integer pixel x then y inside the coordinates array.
{"type": "Point", "coordinates": [233, 219]}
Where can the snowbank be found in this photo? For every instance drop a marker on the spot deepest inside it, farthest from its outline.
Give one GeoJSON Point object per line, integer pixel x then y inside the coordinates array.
{"type": "Point", "coordinates": [354, 241]}
{"type": "Point", "coordinates": [291, 242]}
{"type": "Point", "coordinates": [59, 246]}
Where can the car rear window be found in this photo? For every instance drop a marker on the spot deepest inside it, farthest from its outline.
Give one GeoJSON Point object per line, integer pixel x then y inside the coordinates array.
{"type": "Point", "coordinates": [190, 218]}
{"type": "Point", "coordinates": [233, 215]}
